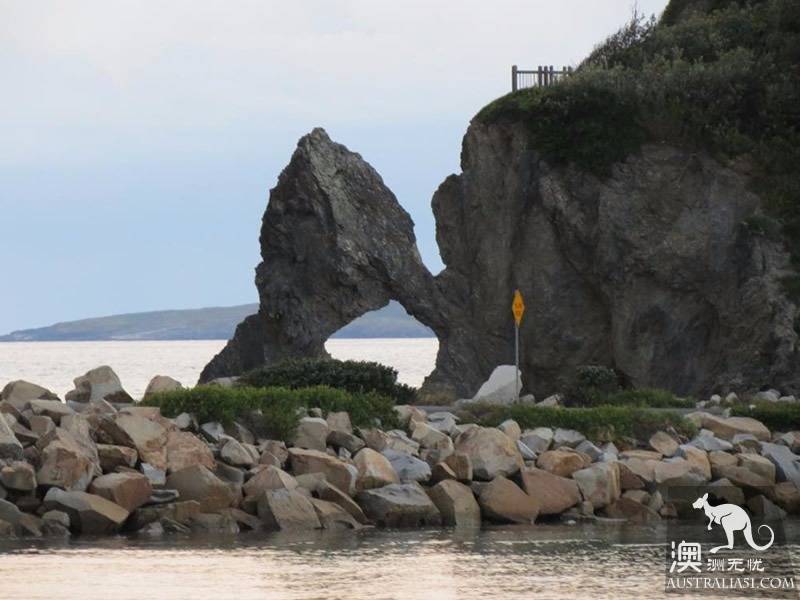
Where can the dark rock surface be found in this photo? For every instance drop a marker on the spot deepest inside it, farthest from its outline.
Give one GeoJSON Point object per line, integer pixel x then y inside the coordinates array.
{"type": "Point", "coordinates": [652, 271]}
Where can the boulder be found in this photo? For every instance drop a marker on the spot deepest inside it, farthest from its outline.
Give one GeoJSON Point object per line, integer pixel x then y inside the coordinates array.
{"type": "Point", "coordinates": [427, 436]}
{"type": "Point", "coordinates": [640, 454]}
{"type": "Point", "coordinates": [184, 449]}
{"type": "Point", "coordinates": [442, 421]}
{"type": "Point", "coordinates": [311, 434]}
{"type": "Point", "coordinates": [501, 500]}
{"type": "Point", "coordinates": [554, 494]}
{"type": "Point", "coordinates": [18, 476]}
{"type": "Point", "coordinates": [111, 457]}
{"type": "Point", "coordinates": [148, 437]}
{"type": "Point", "coordinates": [41, 425]}
{"type": "Point", "coordinates": [67, 461]}
{"type": "Point", "coordinates": [628, 480]}
{"type": "Point", "coordinates": [408, 468]}
{"type": "Point", "coordinates": [759, 465]}
{"type": "Point", "coordinates": [333, 516]}
{"type": "Point", "coordinates": [591, 450]}
{"type": "Point", "coordinates": [724, 491]}
{"type": "Point", "coordinates": [409, 415]}
{"type": "Point", "coordinates": [511, 428]}
{"type": "Point", "coordinates": [287, 510]}
{"type": "Point", "coordinates": [697, 459]}
{"type": "Point", "coordinates": [129, 490]}
{"type": "Point", "coordinates": [763, 507]}
{"type": "Point", "coordinates": [236, 454]}
{"type": "Point", "coordinates": [339, 421]}
{"type": "Point", "coordinates": [663, 443]}
{"type": "Point", "coordinates": [722, 459]}
{"type": "Point", "coordinates": [461, 465]}
{"type": "Point", "coordinates": [55, 524]}
{"type": "Point", "coordinates": [490, 451]}
{"type": "Point", "coordinates": [672, 473]}
{"type": "Point", "coordinates": [538, 440]}
{"type": "Point", "coordinates": [88, 513]}
{"type": "Point", "coordinates": [398, 505]}
{"type": "Point", "coordinates": [567, 437]}
{"type": "Point", "coordinates": [326, 491]}
{"type": "Point", "coordinates": [707, 441]}
{"type": "Point", "coordinates": [787, 464]}
{"type": "Point", "coordinates": [222, 523]}
{"type": "Point", "coordinates": [198, 483]}
{"type": "Point", "coordinates": [276, 449]}
{"type": "Point", "coordinates": [98, 384]}
{"type": "Point", "coordinates": [727, 428]}
{"type": "Point", "coordinates": [501, 387]}
{"type": "Point", "coordinates": [742, 477]}
{"type": "Point", "coordinates": [162, 383]}
{"type": "Point", "coordinates": [374, 470]}
{"type": "Point", "coordinates": [342, 439]}
{"type": "Point", "coordinates": [269, 478]}
{"type": "Point", "coordinates": [630, 510]}
{"type": "Point", "coordinates": [787, 496]}
{"type": "Point", "coordinates": [19, 393]}
{"type": "Point", "coordinates": [338, 473]}
{"type": "Point", "coordinates": [10, 448]}
{"type": "Point", "coordinates": [179, 512]}
{"type": "Point", "coordinates": [456, 504]}
{"type": "Point", "coordinates": [562, 462]}
{"type": "Point", "coordinates": [55, 409]}
{"type": "Point", "coordinates": [397, 440]}
{"type": "Point", "coordinates": [9, 513]}
{"type": "Point", "coordinates": [599, 484]}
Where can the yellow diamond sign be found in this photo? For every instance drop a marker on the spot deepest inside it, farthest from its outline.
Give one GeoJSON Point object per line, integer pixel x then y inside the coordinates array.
{"type": "Point", "coordinates": [518, 307]}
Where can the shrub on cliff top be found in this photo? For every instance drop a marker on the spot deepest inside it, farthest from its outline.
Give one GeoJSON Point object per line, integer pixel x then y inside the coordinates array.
{"type": "Point", "coordinates": [274, 411]}
{"type": "Point", "coordinates": [781, 416]}
{"type": "Point", "coordinates": [603, 423]}
{"type": "Point", "coordinates": [350, 375]}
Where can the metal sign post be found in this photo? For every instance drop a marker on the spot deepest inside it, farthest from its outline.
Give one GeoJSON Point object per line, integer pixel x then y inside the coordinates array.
{"type": "Point", "coordinates": [518, 309]}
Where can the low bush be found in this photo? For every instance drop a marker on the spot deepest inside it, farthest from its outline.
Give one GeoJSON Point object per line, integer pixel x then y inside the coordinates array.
{"type": "Point", "coordinates": [647, 398]}
{"type": "Point", "coordinates": [273, 411]}
{"type": "Point", "coordinates": [782, 416]}
{"type": "Point", "coordinates": [591, 385]}
{"type": "Point", "coordinates": [601, 423]}
{"type": "Point", "coordinates": [350, 375]}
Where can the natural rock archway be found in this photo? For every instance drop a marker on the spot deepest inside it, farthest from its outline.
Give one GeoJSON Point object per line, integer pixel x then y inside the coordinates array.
{"type": "Point", "coordinates": [651, 271]}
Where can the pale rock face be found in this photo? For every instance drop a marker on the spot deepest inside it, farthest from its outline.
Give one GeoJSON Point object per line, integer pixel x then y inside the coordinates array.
{"type": "Point", "coordinates": [502, 500]}
{"type": "Point", "coordinates": [501, 387]}
{"type": "Point", "coordinates": [553, 493]}
{"type": "Point", "coordinates": [567, 437]}
{"type": "Point", "coordinates": [148, 436]}
{"type": "Point", "coordinates": [408, 468]}
{"type": "Point", "coordinates": [88, 513]}
{"type": "Point", "coordinates": [68, 461]}
{"type": "Point", "coordinates": [18, 476]}
{"type": "Point", "coordinates": [269, 478]}
{"type": "Point", "coordinates": [511, 428]}
{"type": "Point", "coordinates": [538, 440]}
{"type": "Point", "coordinates": [311, 434]}
{"type": "Point", "coordinates": [10, 448]}
{"type": "Point", "coordinates": [599, 484]}
{"type": "Point", "coordinates": [490, 451]}
{"type": "Point", "coordinates": [19, 393]}
{"type": "Point", "coordinates": [185, 449]}
{"type": "Point", "coordinates": [456, 504]}
{"type": "Point", "coordinates": [562, 462]}
{"type": "Point", "coordinates": [727, 428]}
{"type": "Point", "coordinates": [399, 505]}
{"type": "Point", "coordinates": [162, 383]}
{"type": "Point", "coordinates": [112, 456]}
{"type": "Point", "coordinates": [198, 483]}
{"type": "Point", "coordinates": [339, 421]}
{"type": "Point", "coordinates": [336, 472]}
{"type": "Point", "coordinates": [128, 490]}
{"type": "Point", "coordinates": [759, 465]}
{"type": "Point", "coordinates": [98, 384]}
{"type": "Point", "coordinates": [663, 443]}
{"type": "Point", "coordinates": [287, 510]}
{"type": "Point", "coordinates": [374, 470]}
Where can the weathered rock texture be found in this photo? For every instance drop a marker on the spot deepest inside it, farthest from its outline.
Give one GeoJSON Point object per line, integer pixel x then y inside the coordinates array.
{"type": "Point", "coordinates": [651, 271]}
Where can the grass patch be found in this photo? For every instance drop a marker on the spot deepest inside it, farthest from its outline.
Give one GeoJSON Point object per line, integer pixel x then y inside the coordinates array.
{"type": "Point", "coordinates": [782, 416]}
{"type": "Point", "coordinates": [648, 398]}
{"type": "Point", "coordinates": [273, 412]}
{"type": "Point", "coordinates": [600, 423]}
{"type": "Point", "coordinates": [350, 375]}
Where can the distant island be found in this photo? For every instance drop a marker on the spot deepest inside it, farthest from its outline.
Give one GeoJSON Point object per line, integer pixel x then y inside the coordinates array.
{"type": "Point", "coordinates": [214, 323]}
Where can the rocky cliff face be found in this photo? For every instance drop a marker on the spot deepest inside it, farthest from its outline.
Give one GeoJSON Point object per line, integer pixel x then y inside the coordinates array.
{"type": "Point", "coordinates": [652, 271]}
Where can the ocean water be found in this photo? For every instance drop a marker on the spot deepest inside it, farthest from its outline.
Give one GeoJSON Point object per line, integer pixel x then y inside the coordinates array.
{"type": "Point", "coordinates": [55, 364]}
{"type": "Point", "coordinates": [561, 562]}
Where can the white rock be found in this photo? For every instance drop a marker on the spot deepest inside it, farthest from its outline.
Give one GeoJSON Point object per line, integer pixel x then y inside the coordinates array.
{"type": "Point", "coordinates": [501, 387]}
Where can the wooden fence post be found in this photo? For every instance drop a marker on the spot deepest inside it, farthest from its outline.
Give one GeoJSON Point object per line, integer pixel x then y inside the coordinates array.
{"type": "Point", "coordinates": [513, 78]}
{"type": "Point", "coordinates": [539, 75]}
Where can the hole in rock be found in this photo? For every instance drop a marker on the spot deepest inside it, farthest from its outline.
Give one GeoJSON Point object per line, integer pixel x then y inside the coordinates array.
{"type": "Point", "coordinates": [391, 337]}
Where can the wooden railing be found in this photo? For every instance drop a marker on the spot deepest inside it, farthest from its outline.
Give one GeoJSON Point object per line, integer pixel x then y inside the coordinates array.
{"type": "Point", "coordinates": [543, 75]}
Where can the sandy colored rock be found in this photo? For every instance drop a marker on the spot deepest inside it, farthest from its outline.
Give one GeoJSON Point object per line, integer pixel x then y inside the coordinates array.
{"type": "Point", "coordinates": [663, 443]}
{"type": "Point", "coordinates": [10, 447]}
{"type": "Point", "coordinates": [599, 484]}
{"type": "Point", "coordinates": [98, 384]}
{"type": "Point", "coordinates": [326, 491]}
{"type": "Point", "coordinates": [88, 513]}
{"type": "Point", "coordinates": [148, 437]}
{"type": "Point", "coordinates": [456, 504]}
{"type": "Point", "coordinates": [184, 449]}
{"type": "Point", "coordinates": [554, 494]}
{"type": "Point", "coordinates": [55, 409]}
{"type": "Point", "coordinates": [128, 490]}
{"type": "Point", "coordinates": [67, 461]}
{"type": "Point", "coordinates": [287, 510]}
{"type": "Point", "coordinates": [697, 459]}
{"type": "Point", "coordinates": [503, 501]}
{"type": "Point", "coordinates": [236, 454]}
{"type": "Point", "coordinates": [759, 465]}
{"type": "Point", "coordinates": [311, 434]}
{"type": "Point", "coordinates": [743, 477]}
{"type": "Point", "coordinates": [269, 478]}
{"type": "Point", "coordinates": [112, 456]}
{"type": "Point", "coordinates": [333, 516]}
{"type": "Point", "coordinates": [338, 473]}
{"type": "Point", "coordinates": [727, 428]}
{"type": "Point", "coordinates": [162, 383]}
{"type": "Point", "coordinates": [200, 484]}
{"type": "Point", "coordinates": [670, 472]}
{"type": "Point", "coordinates": [490, 451]}
{"type": "Point", "coordinates": [561, 462]}
{"type": "Point", "coordinates": [374, 470]}
{"type": "Point", "coordinates": [19, 476]}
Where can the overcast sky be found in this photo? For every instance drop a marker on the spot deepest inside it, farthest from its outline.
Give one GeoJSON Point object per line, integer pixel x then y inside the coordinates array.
{"type": "Point", "coordinates": [138, 140]}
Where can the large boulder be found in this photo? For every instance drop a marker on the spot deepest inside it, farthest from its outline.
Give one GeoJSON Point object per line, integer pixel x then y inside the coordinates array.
{"type": "Point", "coordinates": [554, 494]}
{"type": "Point", "coordinates": [10, 447]}
{"type": "Point", "coordinates": [162, 383]}
{"type": "Point", "coordinates": [501, 387]}
{"type": "Point", "coordinates": [268, 478]}
{"type": "Point", "coordinates": [98, 384]}
{"type": "Point", "coordinates": [67, 461]}
{"type": "Point", "coordinates": [338, 473]}
{"type": "Point", "coordinates": [456, 503]}
{"type": "Point", "coordinates": [333, 516]}
{"type": "Point", "coordinates": [198, 483]}
{"type": "Point", "coordinates": [727, 428]}
{"type": "Point", "coordinates": [287, 510]}
{"type": "Point", "coordinates": [55, 409]}
{"type": "Point", "coordinates": [787, 464]}
{"type": "Point", "coordinates": [399, 505]}
{"type": "Point", "coordinates": [326, 491]}
{"type": "Point", "coordinates": [374, 470]}
{"type": "Point", "coordinates": [562, 462]}
{"type": "Point", "coordinates": [491, 452]}
{"type": "Point", "coordinates": [128, 490]}
{"type": "Point", "coordinates": [311, 433]}
{"type": "Point", "coordinates": [599, 484]}
{"type": "Point", "coordinates": [502, 500]}
{"type": "Point", "coordinates": [111, 457]}
{"type": "Point", "coordinates": [88, 513]}
{"type": "Point", "coordinates": [18, 476]}
{"type": "Point", "coordinates": [408, 468]}
{"type": "Point", "coordinates": [148, 437]}
{"type": "Point", "coordinates": [19, 393]}
{"type": "Point", "coordinates": [184, 449]}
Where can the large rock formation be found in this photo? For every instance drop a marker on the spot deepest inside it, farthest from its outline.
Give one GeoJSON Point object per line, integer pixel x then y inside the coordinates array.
{"type": "Point", "coordinates": [650, 271]}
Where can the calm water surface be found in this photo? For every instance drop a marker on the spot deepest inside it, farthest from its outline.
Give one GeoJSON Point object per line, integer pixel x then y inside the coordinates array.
{"type": "Point", "coordinates": [542, 561]}
{"type": "Point", "coordinates": [55, 364]}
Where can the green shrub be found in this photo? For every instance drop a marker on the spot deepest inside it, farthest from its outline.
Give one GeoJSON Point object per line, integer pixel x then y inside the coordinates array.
{"type": "Point", "coordinates": [603, 423]}
{"type": "Point", "coordinates": [647, 398]}
{"type": "Point", "coordinates": [350, 375]}
{"type": "Point", "coordinates": [274, 411]}
{"type": "Point", "coordinates": [591, 385]}
{"type": "Point", "coordinates": [782, 416]}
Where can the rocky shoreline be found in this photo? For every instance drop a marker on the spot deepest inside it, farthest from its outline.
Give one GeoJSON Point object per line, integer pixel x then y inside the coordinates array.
{"type": "Point", "coordinates": [101, 464]}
